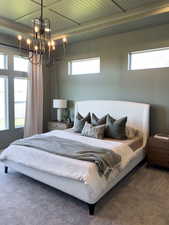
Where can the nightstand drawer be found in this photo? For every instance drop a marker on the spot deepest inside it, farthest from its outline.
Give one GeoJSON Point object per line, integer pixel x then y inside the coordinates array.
{"type": "Point", "coordinates": [158, 152]}
{"type": "Point", "coordinates": [159, 158]}
{"type": "Point", "coordinates": [158, 143]}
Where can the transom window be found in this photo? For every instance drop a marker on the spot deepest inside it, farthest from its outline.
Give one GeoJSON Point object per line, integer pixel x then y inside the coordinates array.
{"type": "Point", "coordinates": [84, 66]}
{"type": "Point", "coordinates": [149, 59]}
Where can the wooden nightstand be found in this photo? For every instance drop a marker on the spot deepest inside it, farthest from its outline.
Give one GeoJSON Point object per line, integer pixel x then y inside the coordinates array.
{"type": "Point", "coordinates": [158, 152]}
{"type": "Point", "coordinates": [55, 125]}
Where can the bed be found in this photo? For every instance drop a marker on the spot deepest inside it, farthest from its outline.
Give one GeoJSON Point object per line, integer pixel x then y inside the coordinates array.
{"type": "Point", "coordinates": [80, 178]}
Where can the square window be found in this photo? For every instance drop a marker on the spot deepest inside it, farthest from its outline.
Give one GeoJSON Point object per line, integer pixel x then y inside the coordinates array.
{"type": "Point", "coordinates": [20, 64]}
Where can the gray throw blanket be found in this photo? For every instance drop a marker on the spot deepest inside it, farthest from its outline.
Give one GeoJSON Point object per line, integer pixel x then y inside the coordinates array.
{"type": "Point", "coordinates": [104, 159]}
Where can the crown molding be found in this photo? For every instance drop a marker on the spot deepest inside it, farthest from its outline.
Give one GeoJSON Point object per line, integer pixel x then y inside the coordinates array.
{"type": "Point", "coordinates": [10, 24]}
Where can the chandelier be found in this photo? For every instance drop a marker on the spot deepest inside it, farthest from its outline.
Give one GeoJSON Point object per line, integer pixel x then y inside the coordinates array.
{"type": "Point", "coordinates": [40, 44]}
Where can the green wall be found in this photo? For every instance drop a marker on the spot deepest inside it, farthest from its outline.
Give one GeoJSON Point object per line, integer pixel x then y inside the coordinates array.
{"type": "Point", "coordinates": [115, 81]}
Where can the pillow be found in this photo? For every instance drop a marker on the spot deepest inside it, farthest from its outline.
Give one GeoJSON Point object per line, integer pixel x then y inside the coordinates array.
{"type": "Point", "coordinates": [131, 132]}
{"type": "Point", "coordinates": [95, 121]}
{"type": "Point", "coordinates": [93, 131]}
{"type": "Point", "coordinates": [116, 128]}
{"type": "Point", "coordinates": [80, 122]}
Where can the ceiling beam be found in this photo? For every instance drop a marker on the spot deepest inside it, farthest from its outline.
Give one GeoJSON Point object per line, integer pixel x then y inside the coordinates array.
{"type": "Point", "coordinates": [129, 16]}
{"type": "Point", "coordinates": [119, 6]}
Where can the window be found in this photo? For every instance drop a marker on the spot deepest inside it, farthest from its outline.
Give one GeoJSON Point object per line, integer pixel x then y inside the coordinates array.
{"type": "Point", "coordinates": [20, 64]}
{"type": "Point", "coordinates": [149, 59]}
{"type": "Point", "coordinates": [84, 66]}
{"type": "Point", "coordinates": [3, 103]}
{"type": "Point", "coordinates": [3, 61]}
{"type": "Point", "coordinates": [20, 92]}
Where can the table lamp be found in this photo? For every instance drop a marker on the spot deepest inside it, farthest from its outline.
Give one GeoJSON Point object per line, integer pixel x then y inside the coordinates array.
{"type": "Point", "coordinates": [59, 104]}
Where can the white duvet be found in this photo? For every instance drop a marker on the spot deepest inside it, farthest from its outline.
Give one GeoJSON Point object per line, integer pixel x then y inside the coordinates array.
{"type": "Point", "coordinates": [66, 167]}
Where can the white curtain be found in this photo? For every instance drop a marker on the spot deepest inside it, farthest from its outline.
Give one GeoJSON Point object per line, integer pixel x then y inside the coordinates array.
{"type": "Point", "coordinates": [34, 106]}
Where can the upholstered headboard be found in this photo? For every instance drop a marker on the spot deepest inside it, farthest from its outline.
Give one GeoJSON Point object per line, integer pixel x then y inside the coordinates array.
{"type": "Point", "coordinates": [137, 113]}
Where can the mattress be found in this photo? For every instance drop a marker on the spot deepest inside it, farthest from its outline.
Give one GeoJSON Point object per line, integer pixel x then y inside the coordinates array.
{"type": "Point", "coordinates": [57, 171]}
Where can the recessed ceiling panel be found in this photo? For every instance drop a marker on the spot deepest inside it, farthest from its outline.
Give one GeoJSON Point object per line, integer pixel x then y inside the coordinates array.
{"type": "Point", "coordinates": [131, 4]}
{"type": "Point", "coordinates": [13, 9]}
{"type": "Point", "coordinates": [86, 10]}
{"type": "Point", "coordinates": [57, 22]}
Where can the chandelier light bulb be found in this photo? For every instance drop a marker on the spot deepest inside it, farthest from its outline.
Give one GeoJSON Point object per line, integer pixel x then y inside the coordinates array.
{"type": "Point", "coordinates": [28, 41]}
{"type": "Point", "coordinates": [47, 29]}
{"type": "Point", "coordinates": [36, 48]}
{"type": "Point", "coordinates": [64, 40]}
{"type": "Point", "coordinates": [49, 43]}
{"type": "Point", "coordinates": [19, 37]}
{"type": "Point", "coordinates": [52, 43]}
{"type": "Point", "coordinates": [53, 47]}
{"type": "Point", "coordinates": [36, 29]}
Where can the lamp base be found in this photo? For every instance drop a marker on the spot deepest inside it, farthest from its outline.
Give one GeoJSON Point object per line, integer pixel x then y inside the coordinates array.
{"type": "Point", "coordinates": [59, 115]}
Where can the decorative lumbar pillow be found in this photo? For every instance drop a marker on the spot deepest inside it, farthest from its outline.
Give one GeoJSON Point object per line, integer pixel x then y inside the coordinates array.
{"type": "Point", "coordinates": [95, 121]}
{"type": "Point", "coordinates": [80, 122]}
{"type": "Point", "coordinates": [131, 132]}
{"type": "Point", "coordinates": [116, 128]}
{"type": "Point", "coordinates": [93, 131]}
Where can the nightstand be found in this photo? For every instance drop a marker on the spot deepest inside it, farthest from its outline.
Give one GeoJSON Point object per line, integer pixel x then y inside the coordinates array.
{"type": "Point", "coordinates": [158, 152]}
{"type": "Point", "coordinates": [55, 125]}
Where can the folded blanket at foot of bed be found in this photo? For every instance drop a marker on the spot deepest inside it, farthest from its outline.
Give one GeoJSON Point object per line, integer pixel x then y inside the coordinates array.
{"type": "Point", "coordinates": [105, 159]}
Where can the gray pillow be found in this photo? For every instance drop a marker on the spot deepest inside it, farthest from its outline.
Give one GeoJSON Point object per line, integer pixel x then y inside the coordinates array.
{"type": "Point", "coordinates": [93, 131]}
{"type": "Point", "coordinates": [95, 121]}
{"type": "Point", "coordinates": [116, 128]}
{"type": "Point", "coordinates": [80, 122]}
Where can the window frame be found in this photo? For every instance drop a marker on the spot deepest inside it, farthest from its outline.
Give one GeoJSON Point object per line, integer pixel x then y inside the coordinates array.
{"type": "Point", "coordinates": [11, 74]}
{"type": "Point", "coordinates": [6, 107]}
{"type": "Point", "coordinates": [144, 51]}
{"type": "Point", "coordinates": [70, 73]}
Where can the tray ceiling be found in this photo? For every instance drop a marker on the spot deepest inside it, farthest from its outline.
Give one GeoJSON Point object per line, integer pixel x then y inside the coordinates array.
{"type": "Point", "coordinates": [66, 14]}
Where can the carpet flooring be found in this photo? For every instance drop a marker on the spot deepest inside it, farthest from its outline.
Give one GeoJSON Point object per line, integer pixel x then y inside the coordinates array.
{"type": "Point", "coordinates": [140, 199]}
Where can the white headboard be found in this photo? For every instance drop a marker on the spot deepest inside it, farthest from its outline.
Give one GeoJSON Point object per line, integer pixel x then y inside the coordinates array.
{"type": "Point", "coordinates": [137, 113]}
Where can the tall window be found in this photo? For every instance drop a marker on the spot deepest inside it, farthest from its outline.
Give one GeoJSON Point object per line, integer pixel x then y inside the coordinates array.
{"type": "Point", "coordinates": [20, 64]}
{"type": "Point", "coordinates": [149, 59]}
{"type": "Point", "coordinates": [3, 103]}
{"type": "Point", "coordinates": [3, 61]}
{"type": "Point", "coordinates": [84, 66]}
{"type": "Point", "coordinates": [20, 92]}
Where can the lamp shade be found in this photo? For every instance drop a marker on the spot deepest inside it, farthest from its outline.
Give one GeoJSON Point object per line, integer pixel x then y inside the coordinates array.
{"type": "Point", "coordinates": [59, 103]}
